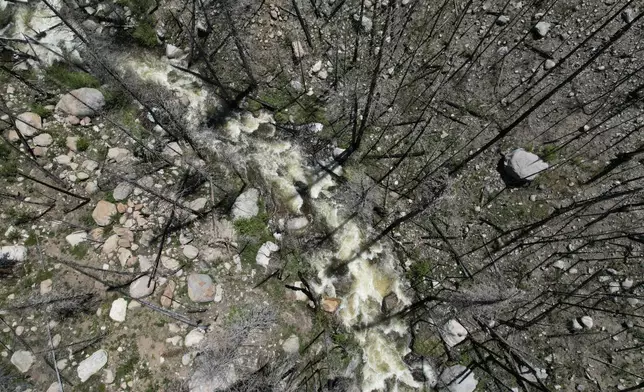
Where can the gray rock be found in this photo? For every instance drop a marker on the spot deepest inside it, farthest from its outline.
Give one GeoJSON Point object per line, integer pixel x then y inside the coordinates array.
{"type": "Point", "coordinates": [549, 64]}
{"type": "Point", "coordinates": [246, 205]}
{"type": "Point", "coordinates": [587, 322]}
{"type": "Point", "coordinates": [297, 224]}
{"type": "Point", "coordinates": [457, 379]}
{"type": "Point", "coordinates": [219, 293]}
{"type": "Point", "coordinates": [76, 238]}
{"type": "Point", "coordinates": [28, 123]}
{"type": "Point", "coordinates": [91, 365]}
{"type": "Point", "coordinates": [201, 288]}
{"type": "Point", "coordinates": [118, 310]}
{"type": "Point", "coordinates": [118, 154]}
{"type": "Point", "coordinates": [628, 15]}
{"type": "Point", "coordinates": [139, 288]}
{"type": "Point", "coordinates": [194, 337]}
{"type": "Point", "coordinates": [574, 324]}
{"type": "Point", "coordinates": [389, 303]}
{"type": "Point", "coordinates": [13, 253]}
{"type": "Point", "coordinates": [190, 251]}
{"type": "Point", "coordinates": [523, 165]}
{"type": "Point", "coordinates": [54, 387]}
{"type": "Point", "coordinates": [122, 191]}
{"type": "Point", "coordinates": [291, 345]}
{"type": "Point", "coordinates": [541, 29]}
{"type": "Point", "coordinates": [198, 204]}
{"type": "Point", "coordinates": [172, 52]}
{"type": "Point", "coordinates": [43, 140]}
{"type": "Point", "coordinates": [502, 20]}
{"type": "Point", "coordinates": [82, 102]}
{"type": "Point", "coordinates": [22, 360]}
{"type": "Point", "coordinates": [298, 49]}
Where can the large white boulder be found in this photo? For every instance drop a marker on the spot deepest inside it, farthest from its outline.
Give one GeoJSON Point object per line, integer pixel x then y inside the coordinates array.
{"type": "Point", "coordinates": [91, 365]}
{"type": "Point", "coordinates": [522, 165]}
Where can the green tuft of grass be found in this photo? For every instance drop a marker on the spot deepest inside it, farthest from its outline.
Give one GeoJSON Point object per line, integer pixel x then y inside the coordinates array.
{"type": "Point", "coordinates": [79, 251]}
{"type": "Point", "coordinates": [40, 110]}
{"type": "Point", "coordinates": [64, 75]}
{"type": "Point", "coordinates": [82, 144]}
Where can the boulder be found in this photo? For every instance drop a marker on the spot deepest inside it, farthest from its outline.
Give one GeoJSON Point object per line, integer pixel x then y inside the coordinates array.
{"type": "Point", "coordinates": [457, 378]}
{"type": "Point", "coordinates": [22, 360]}
{"type": "Point", "coordinates": [190, 251]}
{"type": "Point", "coordinates": [194, 337]}
{"type": "Point", "coordinates": [118, 310]}
{"type": "Point", "coordinates": [76, 238]}
{"type": "Point", "coordinates": [330, 305]}
{"type": "Point", "coordinates": [291, 345]}
{"type": "Point", "coordinates": [82, 102]}
{"type": "Point", "coordinates": [246, 205]}
{"type": "Point", "coordinates": [522, 165]}
{"type": "Point", "coordinates": [43, 140]}
{"type": "Point", "coordinates": [139, 288]}
{"type": "Point", "coordinates": [453, 333]}
{"type": "Point", "coordinates": [15, 253]}
{"type": "Point", "coordinates": [103, 213]}
{"type": "Point", "coordinates": [541, 29]}
{"type": "Point", "coordinates": [28, 123]}
{"type": "Point", "coordinates": [91, 365]}
{"type": "Point", "coordinates": [201, 288]}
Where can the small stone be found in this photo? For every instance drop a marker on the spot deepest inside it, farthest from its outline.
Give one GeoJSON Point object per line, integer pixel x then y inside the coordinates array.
{"type": "Point", "coordinates": [323, 74]}
{"type": "Point", "coordinates": [118, 310]}
{"type": "Point", "coordinates": [274, 14]}
{"type": "Point", "coordinates": [198, 204]}
{"type": "Point", "coordinates": [28, 123]}
{"type": "Point", "coordinates": [627, 283]}
{"type": "Point", "coordinates": [103, 213]}
{"type": "Point", "coordinates": [63, 160]}
{"type": "Point", "coordinates": [172, 52]}
{"type": "Point", "coordinates": [291, 345]}
{"type": "Point", "coordinates": [575, 325]}
{"type": "Point", "coordinates": [91, 365]}
{"type": "Point", "coordinates": [219, 293]}
{"type": "Point", "coordinates": [82, 176]}
{"type": "Point", "coordinates": [72, 120]}
{"type": "Point", "coordinates": [122, 191]}
{"type": "Point", "coordinates": [502, 20]}
{"type": "Point", "coordinates": [54, 387]}
{"type": "Point", "coordinates": [522, 165]}
{"type": "Point", "coordinates": [297, 224]}
{"type": "Point", "coordinates": [264, 253]}
{"type": "Point", "coordinates": [45, 286]}
{"type": "Point", "coordinates": [549, 64]}
{"type": "Point", "coordinates": [111, 244]}
{"type": "Point", "coordinates": [587, 322]}
{"type": "Point", "coordinates": [613, 287]}
{"type": "Point", "coordinates": [76, 238]}
{"type": "Point", "coordinates": [22, 360]}
{"type": "Point", "coordinates": [170, 263]}
{"type": "Point", "coordinates": [85, 121]}
{"type": "Point", "coordinates": [330, 305]}
{"type": "Point", "coordinates": [298, 49]}
{"type": "Point", "coordinates": [316, 67]}
{"type": "Point", "coordinates": [168, 294]}
{"type": "Point", "coordinates": [108, 376]}
{"type": "Point", "coordinates": [190, 251]}
{"type": "Point", "coordinates": [194, 337]}
{"type": "Point", "coordinates": [200, 288]}
{"type": "Point", "coordinates": [43, 140]}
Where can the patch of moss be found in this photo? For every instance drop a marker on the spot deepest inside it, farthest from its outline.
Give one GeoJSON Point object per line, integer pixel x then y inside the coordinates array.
{"type": "Point", "coordinates": [116, 98]}
{"type": "Point", "coordinates": [32, 239]}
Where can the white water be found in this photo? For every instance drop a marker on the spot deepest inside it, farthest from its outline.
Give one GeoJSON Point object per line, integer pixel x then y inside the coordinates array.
{"type": "Point", "coordinates": [281, 163]}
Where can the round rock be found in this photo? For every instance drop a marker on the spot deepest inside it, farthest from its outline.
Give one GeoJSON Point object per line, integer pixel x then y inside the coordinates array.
{"type": "Point", "coordinates": [522, 165]}
{"type": "Point", "coordinates": [190, 251]}
{"type": "Point", "coordinates": [139, 288]}
{"type": "Point", "coordinates": [22, 360]}
{"type": "Point", "coordinates": [201, 288]}
{"type": "Point", "coordinates": [83, 102]}
{"type": "Point", "coordinates": [118, 310]}
{"type": "Point", "coordinates": [122, 191]}
{"type": "Point", "coordinates": [28, 123]}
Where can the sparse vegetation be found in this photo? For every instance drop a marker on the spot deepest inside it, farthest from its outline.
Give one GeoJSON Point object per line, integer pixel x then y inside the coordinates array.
{"type": "Point", "coordinates": [63, 75]}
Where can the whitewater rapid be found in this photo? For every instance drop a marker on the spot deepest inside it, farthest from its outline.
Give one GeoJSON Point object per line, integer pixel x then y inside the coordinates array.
{"type": "Point", "coordinates": [373, 272]}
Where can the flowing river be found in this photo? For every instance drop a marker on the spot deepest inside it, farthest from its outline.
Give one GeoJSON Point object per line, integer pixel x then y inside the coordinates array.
{"type": "Point", "coordinates": [373, 272]}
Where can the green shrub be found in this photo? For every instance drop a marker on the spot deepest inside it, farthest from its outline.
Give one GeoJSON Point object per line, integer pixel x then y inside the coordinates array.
{"type": "Point", "coordinates": [145, 34]}
{"type": "Point", "coordinates": [65, 76]}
